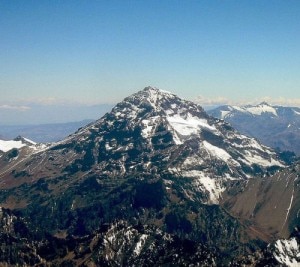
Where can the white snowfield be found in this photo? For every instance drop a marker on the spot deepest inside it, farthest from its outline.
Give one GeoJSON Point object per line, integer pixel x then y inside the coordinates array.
{"type": "Point", "coordinates": [8, 145]}
{"type": "Point", "coordinates": [182, 126]}
{"type": "Point", "coordinates": [216, 151]}
{"type": "Point", "coordinates": [261, 108]}
{"type": "Point", "coordinates": [253, 110]}
{"type": "Point", "coordinates": [212, 186]}
{"type": "Point", "coordinates": [188, 126]}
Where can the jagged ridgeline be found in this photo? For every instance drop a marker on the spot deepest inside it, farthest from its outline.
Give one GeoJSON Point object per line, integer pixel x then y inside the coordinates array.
{"type": "Point", "coordinates": [141, 186]}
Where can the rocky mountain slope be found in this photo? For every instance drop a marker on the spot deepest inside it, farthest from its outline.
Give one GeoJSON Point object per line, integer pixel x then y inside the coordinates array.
{"type": "Point", "coordinates": [141, 186]}
{"type": "Point", "coordinates": [155, 133]}
{"type": "Point", "coordinates": [14, 151]}
{"type": "Point", "coordinates": [275, 126]}
{"type": "Point", "coordinates": [272, 209]}
{"type": "Point", "coordinates": [270, 203]}
{"type": "Point", "coordinates": [270, 206]}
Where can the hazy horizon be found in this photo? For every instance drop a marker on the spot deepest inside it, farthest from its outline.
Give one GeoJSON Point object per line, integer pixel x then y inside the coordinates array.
{"type": "Point", "coordinates": [58, 60]}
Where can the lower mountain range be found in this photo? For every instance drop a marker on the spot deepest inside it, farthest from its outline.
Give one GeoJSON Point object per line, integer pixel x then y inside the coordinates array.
{"type": "Point", "coordinates": [41, 133]}
{"type": "Point", "coordinates": [154, 182]}
{"type": "Point", "coordinates": [275, 126]}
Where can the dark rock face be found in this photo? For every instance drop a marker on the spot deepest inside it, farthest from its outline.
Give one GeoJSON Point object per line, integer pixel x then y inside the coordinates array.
{"type": "Point", "coordinates": [140, 186]}
{"type": "Point", "coordinates": [16, 247]}
{"type": "Point", "coordinates": [275, 126]}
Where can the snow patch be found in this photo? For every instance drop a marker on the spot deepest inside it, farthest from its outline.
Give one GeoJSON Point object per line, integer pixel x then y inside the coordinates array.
{"type": "Point", "coordinates": [189, 126]}
{"type": "Point", "coordinates": [256, 159]}
{"type": "Point", "coordinates": [239, 108]}
{"type": "Point", "coordinates": [192, 161]}
{"type": "Point", "coordinates": [29, 141]}
{"type": "Point", "coordinates": [216, 151]}
{"type": "Point", "coordinates": [224, 114]}
{"type": "Point", "coordinates": [296, 112]}
{"type": "Point", "coordinates": [148, 126]}
{"type": "Point", "coordinates": [214, 188]}
{"type": "Point", "coordinates": [140, 244]}
{"type": "Point", "coordinates": [219, 153]}
{"type": "Point", "coordinates": [261, 108]}
{"type": "Point", "coordinates": [288, 209]}
{"type": "Point", "coordinates": [211, 185]}
{"type": "Point", "coordinates": [287, 252]}
{"type": "Point", "coordinates": [8, 145]}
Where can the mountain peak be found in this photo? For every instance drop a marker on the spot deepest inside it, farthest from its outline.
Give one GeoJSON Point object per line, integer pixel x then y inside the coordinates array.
{"type": "Point", "coordinates": [151, 88]}
{"type": "Point", "coordinates": [155, 130]}
{"type": "Point", "coordinates": [152, 101]}
{"type": "Point", "coordinates": [6, 146]}
{"type": "Point", "coordinates": [264, 103]}
{"type": "Point", "coordinates": [262, 108]}
{"type": "Point", "coordinates": [151, 94]}
{"type": "Point", "coordinates": [155, 90]}
{"type": "Point", "coordinates": [134, 187]}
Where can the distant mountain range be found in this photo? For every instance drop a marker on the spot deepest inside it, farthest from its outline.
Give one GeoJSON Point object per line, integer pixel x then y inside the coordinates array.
{"type": "Point", "coordinates": [41, 133]}
{"type": "Point", "coordinates": [275, 126]}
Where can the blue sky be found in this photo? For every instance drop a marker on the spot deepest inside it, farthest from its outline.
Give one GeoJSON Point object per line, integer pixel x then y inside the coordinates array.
{"type": "Point", "coordinates": [98, 52]}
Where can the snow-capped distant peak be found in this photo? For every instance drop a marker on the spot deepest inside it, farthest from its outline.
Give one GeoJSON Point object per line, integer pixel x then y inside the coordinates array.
{"type": "Point", "coordinates": [149, 95]}
{"type": "Point", "coordinates": [228, 110]}
{"type": "Point", "coordinates": [264, 103]}
{"type": "Point", "coordinates": [249, 109]}
{"type": "Point", "coordinates": [156, 94]}
{"type": "Point", "coordinates": [8, 145]}
{"type": "Point", "coordinates": [17, 143]}
{"type": "Point", "coordinates": [157, 90]}
{"type": "Point", "coordinates": [261, 108]}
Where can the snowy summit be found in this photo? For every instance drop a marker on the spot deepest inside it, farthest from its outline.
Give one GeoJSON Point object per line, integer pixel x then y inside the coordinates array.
{"type": "Point", "coordinates": [156, 129]}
